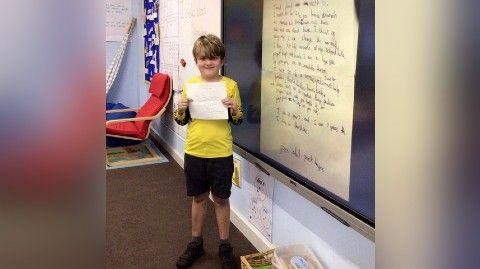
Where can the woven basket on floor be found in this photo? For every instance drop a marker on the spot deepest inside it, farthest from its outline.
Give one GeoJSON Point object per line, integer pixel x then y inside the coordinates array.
{"type": "Point", "coordinates": [257, 259]}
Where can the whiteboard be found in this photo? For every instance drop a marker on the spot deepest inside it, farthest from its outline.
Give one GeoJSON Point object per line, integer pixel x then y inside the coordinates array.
{"type": "Point", "coordinates": [308, 77]}
{"type": "Point", "coordinates": [243, 35]}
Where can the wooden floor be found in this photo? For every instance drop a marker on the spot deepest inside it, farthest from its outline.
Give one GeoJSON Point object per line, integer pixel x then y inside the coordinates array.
{"type": "Point", "coordinates": [148, 220]}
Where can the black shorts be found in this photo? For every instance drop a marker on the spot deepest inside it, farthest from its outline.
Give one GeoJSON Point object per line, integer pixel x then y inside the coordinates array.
{"type": "Point", "coordinates": [209, 174]}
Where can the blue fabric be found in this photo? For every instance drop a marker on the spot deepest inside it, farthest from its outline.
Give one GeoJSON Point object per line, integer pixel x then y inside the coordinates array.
{"type": "Point", "coordinates": [121, 115]}
{"type": "Point", "coordinates": [119, 142]}
{"type": "Point", "coordinates": [109, 106]}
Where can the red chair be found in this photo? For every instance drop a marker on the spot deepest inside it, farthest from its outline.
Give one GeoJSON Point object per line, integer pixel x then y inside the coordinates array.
{"type": "Point", "coordinates": [138, 127]}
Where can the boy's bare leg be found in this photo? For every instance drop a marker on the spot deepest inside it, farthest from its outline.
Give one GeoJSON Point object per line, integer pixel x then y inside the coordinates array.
{"type": "Point", "coordinates": [222, 212]}
{"type": "Point", "coordinates": [198, 213]}
{"type": "Point", "coordinates": [195, 247]}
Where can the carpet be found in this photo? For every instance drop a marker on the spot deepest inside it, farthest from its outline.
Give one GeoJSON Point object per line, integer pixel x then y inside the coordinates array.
{"type": "Point", "coordinates": [144, 153]}
{"type": "Point", "coordinates": [148, 220]}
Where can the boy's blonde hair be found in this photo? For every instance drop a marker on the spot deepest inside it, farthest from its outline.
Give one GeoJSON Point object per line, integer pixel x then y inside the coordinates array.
{"type": "Point", "coordinates": [209, 44]}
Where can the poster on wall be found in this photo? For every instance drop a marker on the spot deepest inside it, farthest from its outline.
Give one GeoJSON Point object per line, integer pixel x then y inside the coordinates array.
{"type": "Point", "coordinates": [151, 38]}
{"type": "Point", "coordinates": [168, 118]}
{"type": "Point", "coordinates": [308, 75]}
{"type": "Point", "coordinates": [260, 202]}
{"type": "Point", "coordinates": [196, 18]}
{"type": "Point", "coordinates": [181, 22]}
{"type": "Point", "coordinates": [168, 21]}
{"type": "Point", "coordinates": [117, 18]}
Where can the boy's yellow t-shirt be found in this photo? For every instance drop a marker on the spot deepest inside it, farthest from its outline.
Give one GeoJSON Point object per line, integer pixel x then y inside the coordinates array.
{"type": "Point", "coordinates": [211, 138]}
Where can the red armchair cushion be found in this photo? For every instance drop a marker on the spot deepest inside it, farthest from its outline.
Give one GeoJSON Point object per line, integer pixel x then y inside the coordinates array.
{"type": "Point", "coordinates": [149, 109]}
{"type": "Point", "coordinates": [160, 85]}
{"type": "Point", "coordinates": [160, 90]}
{"type": "Point", "coordinates": [127, 128]}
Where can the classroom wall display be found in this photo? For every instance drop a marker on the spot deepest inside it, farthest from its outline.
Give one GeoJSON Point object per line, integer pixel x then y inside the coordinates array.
{"type": "Point", "coordinates": [181, 23]}
{"type": "Point", "coordinates": [168, 119]}
{"type": "Point", "coordinates": [151, 38]}
{"type": "Point", "coordinates": [117, 18]}
{"type": "Point", "coordinates": [196, 17]}
{"type": "Point", "coordinates": [308, 69]}
{"type": "Point", "coordinates": [260, 203]}
{"type": "Point", "coordinates": [169, 45]}
{"type": "Point", "coordinates": [305, 70]}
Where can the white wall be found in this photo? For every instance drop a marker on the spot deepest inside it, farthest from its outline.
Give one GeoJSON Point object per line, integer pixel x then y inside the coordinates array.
{"type": "Point", "coordinates": [129, 87]}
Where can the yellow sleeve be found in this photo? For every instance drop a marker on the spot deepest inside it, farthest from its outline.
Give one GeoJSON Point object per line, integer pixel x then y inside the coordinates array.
{"type": "Point", "coordinates": [236, 96]}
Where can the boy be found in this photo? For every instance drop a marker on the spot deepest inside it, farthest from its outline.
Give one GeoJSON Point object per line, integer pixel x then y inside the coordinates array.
{"type": "Point", "coordinates": [208, 161]}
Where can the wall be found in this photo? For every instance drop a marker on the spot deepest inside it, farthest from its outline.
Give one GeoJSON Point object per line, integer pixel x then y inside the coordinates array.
{"type": "Point", "coordinates": [129, 87]}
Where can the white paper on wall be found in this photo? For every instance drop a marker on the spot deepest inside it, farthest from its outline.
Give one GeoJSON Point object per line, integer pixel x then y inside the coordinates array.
{"type": "Point", "coordinates": [181, 22]}
{"type": "Point", "coordinates": [168, 20]}
{"type": "Point", "coordinates": [118, 14]}
{"type": "Point", "coordinates": [168, 120]}
{"type": "Point", "coordinates": [260, 202]}
{"type": "Point", "coordinates": [308, 75]}
{"type": "Point", "coordinates": [196, 17]}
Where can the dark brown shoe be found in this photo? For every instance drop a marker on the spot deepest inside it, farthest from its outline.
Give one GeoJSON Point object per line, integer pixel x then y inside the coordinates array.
{"type": "Point", "coordinates": [194, 251]}
{"type": "Point", "coordinates": [225, 252]}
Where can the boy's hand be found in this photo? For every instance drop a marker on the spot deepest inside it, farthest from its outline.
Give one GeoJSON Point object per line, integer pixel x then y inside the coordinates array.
{"type": "Point", "coordinates": [183, 104]}
{"type": "Point", "coordinates": [230, 104]}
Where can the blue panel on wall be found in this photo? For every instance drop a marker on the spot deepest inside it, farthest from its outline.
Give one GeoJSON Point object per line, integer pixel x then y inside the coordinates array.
{"type": "Point", "coordinates": [151, 38]}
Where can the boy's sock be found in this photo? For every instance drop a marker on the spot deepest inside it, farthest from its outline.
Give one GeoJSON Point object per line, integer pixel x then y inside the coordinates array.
{"type": "Point", "coordinates": [224, 241]}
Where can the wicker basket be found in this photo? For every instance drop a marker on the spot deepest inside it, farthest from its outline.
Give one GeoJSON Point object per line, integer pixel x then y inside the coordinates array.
{"type": "Point", "coordinates": [257, 259]}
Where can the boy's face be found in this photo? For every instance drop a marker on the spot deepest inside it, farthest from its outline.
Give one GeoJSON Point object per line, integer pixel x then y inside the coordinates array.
{"type": "Point", "coordinates": [209, 67]}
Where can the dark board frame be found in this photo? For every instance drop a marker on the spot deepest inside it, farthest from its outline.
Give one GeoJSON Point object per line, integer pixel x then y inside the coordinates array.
{"type": "Point", "coordinates": [242, 37]}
